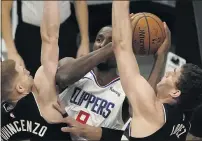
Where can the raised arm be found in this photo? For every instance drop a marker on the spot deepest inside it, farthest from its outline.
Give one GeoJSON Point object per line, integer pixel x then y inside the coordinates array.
{"type": "Point", "coordinates": [49, 34]}
{"type": "Point", "coordinates": [160, 59]}
{"type": "Point", "coordinates": [45, 76]}
{"type": "Point", "coordinates": [81, 9]}
{"type": "Point", "coordinates": [140, 94]}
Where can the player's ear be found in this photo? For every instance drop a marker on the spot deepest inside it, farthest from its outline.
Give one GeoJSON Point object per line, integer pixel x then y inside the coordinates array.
{"type": "Point", "coordinates": [175, 93]}
{"type": "Point", "coordinates": [20, 89]}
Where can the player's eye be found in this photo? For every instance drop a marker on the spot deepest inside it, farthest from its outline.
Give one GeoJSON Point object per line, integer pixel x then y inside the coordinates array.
{"type": "Point", "coordinates": [98, 40]}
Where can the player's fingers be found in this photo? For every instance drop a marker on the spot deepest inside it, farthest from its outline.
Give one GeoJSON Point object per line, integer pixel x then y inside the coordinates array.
{"type": "Point", "coordinates": [131, 14]}
{"type": "Point", "coordinates": [62, 120]}
{"type": "Point", "coordinates": [132, 17]}
{"type": "Point", "coordinates": [67, 129]}
{"type": "Point", "coordinates": [167, 30]}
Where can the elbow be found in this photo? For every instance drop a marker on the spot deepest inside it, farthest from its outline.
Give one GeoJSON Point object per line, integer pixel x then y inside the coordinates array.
{"type": "Point", "coordinates": [50, 34]}
{"type": "Point", "coordinates": [62, 80]}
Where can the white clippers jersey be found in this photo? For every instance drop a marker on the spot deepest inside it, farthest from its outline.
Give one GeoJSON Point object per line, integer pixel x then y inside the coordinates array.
{"type": "Point", "coordinates": [92, 104]}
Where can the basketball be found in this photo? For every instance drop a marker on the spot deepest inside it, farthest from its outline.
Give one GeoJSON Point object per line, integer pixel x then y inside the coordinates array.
{"type": "Point", "coordinates": [148, 33]}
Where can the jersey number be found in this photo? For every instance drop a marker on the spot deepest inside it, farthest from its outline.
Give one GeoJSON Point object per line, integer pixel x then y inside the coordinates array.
{"type": "Point", "coordinates": [83, 117]}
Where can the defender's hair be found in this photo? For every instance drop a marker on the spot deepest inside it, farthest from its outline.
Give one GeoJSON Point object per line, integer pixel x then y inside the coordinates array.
{"type": "Point", "coordinates": [8, 75]}
{"type": "Point", "coordinates": [190, 85]}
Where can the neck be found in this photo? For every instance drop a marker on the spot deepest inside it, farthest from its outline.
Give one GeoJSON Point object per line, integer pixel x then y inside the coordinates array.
{"type": "Point", "coordinates": [168, 100]}
{"type": "Point", "coordinates": [104, 77]}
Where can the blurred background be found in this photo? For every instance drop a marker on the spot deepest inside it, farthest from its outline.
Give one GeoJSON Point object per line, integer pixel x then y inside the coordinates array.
{"type": "Point", "coordinates": [183, 18]}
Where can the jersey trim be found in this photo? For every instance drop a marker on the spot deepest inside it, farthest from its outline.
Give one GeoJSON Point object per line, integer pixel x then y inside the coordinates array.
{"type": "Point", "coordinates": [126, 124]}
{"type": "Point", "coordinates": [164, 111]}
{"type": "Point", "coordinates": [113, 81]}
{"type": "Point", "coordinates": [37, 104]}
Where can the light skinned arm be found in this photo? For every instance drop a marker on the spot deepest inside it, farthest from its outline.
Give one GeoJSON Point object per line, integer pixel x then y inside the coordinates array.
{"type": "Point", "coordinates": [49, 34]}
{"type": "Point", "coordinates": [160, 57]}
{"type": "Point", "coordinates": [140, 94]}
{"type": "Point", "coordinates": [45, 75]}
{"type": "Point", "coordinates": [81, 9]}
{"type": "Point", "coordinates": [7, 32]}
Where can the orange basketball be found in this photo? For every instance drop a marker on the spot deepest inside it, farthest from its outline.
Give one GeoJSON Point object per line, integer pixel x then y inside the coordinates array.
{"type": "Point", "coordinates": [148, 33]}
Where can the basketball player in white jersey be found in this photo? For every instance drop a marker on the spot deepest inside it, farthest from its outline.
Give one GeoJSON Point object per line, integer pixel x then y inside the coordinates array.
{"type": "Point", "coordinates": [98, 98]}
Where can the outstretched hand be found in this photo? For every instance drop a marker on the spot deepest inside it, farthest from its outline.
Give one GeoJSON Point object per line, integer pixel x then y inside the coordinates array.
{"type": "Point", "coordinates": [74, 127]}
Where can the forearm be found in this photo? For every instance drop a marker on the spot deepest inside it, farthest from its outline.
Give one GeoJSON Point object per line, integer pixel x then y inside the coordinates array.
{"type": "Point", "coordinates": [82, 18]}
{"type": "Point", "coordinates": [155, 75]}
{"type": "Point", "coordinates": [50, 22]}
{"type": "Point", "coordinates": [69, 73]}
{"type": "Point", "coordinates": [92, 133]}
{"type": "Point", "coordinates": [7, 27]}
{"type": "Point", "coordinates": [122, 37]}
{"type": "Point", "coordinates": [101, 133]}
{"type": "Point", "coordinates": [49, 34]}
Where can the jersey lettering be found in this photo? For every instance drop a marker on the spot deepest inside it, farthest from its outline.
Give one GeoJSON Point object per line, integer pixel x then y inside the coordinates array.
{"type": "Point", "coordinates": [22, 126]}
{"type": "Point", "coordinates": [178, 130]}
{"type": "Point", "coordinates": [75, 95]}
{"type": "Point", "coordinates": [98, 105]}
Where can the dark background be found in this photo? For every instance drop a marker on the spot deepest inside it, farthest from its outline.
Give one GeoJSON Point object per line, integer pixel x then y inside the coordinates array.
{"type": "Point", "coordinates": [184, 21]}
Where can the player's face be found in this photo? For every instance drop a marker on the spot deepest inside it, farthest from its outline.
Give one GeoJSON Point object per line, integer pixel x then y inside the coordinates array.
{"type": "Point", "coordinates": [24, 79]}
{"type": "Point", "coordinates": [104, 37]}
{"type": "Point", "coordinates": [167, 85]}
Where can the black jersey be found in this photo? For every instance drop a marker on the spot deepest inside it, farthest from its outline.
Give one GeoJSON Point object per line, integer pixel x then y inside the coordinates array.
{"type": "Point", "coordinates": [196, 122]}
{"type": "Point", "coordinates": [176, 127]}
{"type": "Point", "coordinates": [25, 122]}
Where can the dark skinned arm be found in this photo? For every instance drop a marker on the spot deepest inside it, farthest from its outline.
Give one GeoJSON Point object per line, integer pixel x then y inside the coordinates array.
{"type": "Point", "coordinates": [71, 70]}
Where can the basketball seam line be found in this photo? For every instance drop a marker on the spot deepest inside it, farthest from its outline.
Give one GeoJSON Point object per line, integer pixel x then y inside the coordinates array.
{"type": "Point", "coordinates": [148, 31]}
{"type": "Point", "coordinates": [157, 23]}
{"type": "Point", "coordinates": [135, 27]}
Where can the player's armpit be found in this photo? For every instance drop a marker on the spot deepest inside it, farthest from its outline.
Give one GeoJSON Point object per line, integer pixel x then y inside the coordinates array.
{"type": "Point", "coordinates": [45, 87]}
